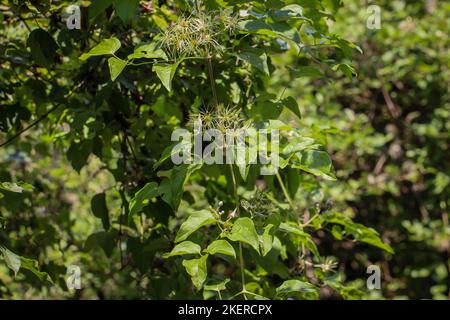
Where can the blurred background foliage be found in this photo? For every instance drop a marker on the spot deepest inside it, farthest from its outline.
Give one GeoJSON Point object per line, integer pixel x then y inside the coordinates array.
{"type": "Point", "coordinates": [389, 135]}
{"type": "Point", "coordinates": [391, 148]}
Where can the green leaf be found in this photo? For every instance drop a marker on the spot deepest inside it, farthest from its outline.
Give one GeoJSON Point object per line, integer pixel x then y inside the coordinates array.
{"type": "Point", "coordinates": [142, 197]}
{"type": "Point", "coordinates": [244, 231]}
{"type": "Point", "coordinates": [358, 231]}
{"type": "Point", "coordinates": [300, 235]}
{"type": "Point", "coordinates": [292, 105]}
{"type": "Point", "coordinates": [266, 239]}
{"type": "Point", "coordinates": [170, 150]}
{"type": "Point", "coordinates": [97, 7]}
{"type": "Point", "coordinates": [106, 47]}
{"type": "Point", "coordinates": [195, 221]}
{"type": "Point", "coordinates": [337, 232]}
{"type": "Point", "coordinates": [292, 11]}
{"type": "Point", "coordinates": [18, 187]}
{"type": "Point", "coordinates": [100, 210]}
{"type": "Point", "coordinates": [274, 30]}
{"type": "Point", "coordinates": [186, 247]}
{"type": "Point", "coordinates": [257, 58]}
{"type": "Point", "coordinates": [104, 240]}
{"type": "Point", "coordinates": [307, 71]}
{"type": "Point", "coordinates": [165, 73]}
{"type": "Point", "coordinates": [218, 286]}
{"type": "Point", "coordinates": [16, 262]}
{"type": "Point", "coordinates": [43, 47]}
{"type": "Point", "coordinates": [221, 246]}
{"type": "Point", "coordinates": [197, 269]}
{"type": "Point", "coordinates": [291, 286]}
{"type": "Point", "coordinates": [33, 266]}
{"type": "Point", "coordinates": [116, 67]}
{"type": "Point", "coordinates": [347, 47]}
{"type": "Point", "coordinates": [12, 260]}
{"type": "Point", "coordinates": [317, 163]}
{"type": "Point", "coordinates": [172, 189]}
{"type": "Point", "coordinates": [297, 144]}
{"type": "Point", "coordinates": [78, 154]}
{"type": "Point", "coordinates": [126, 10]}
{"type": "Point", "coordinates": [346, 69]}
{"type": "Point", "coordinates": [148, 51]}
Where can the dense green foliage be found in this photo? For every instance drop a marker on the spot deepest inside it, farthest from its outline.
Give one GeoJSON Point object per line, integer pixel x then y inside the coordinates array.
{"type": "Point", "coordinates": [86, 118]}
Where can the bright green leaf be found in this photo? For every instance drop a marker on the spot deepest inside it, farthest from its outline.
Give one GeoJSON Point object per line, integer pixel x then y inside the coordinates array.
{"type": "Point", "coordinates": [195, 221]}
{"type": "Point", "coordinates": [185, 247]}
{"type": "Point", "coordinates": [244, 231]}
{"type": "Point", "coordinates": [106, 47]}
{"type": "Point", "coordinates": [218, 286]}
{"type": "Point", "coordinates": [165, 73]}
{"type": "Point", "coordinates": [197, 269]}
{"type": "Point", "coordinates": [148, 51]}
{"type": "Point", "coordinates": [116, 67]}
{"type": "Point", "coordinates": [18, 187]}
{"type": "Point", "coordinates": [221, 246]}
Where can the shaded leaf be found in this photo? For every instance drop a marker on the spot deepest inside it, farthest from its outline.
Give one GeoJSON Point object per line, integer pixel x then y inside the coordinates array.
{"type": "Point", "coordinates": [78, 154]}
{"type": "Point", "coordinates": [257, 58]}
{"type": "Point", "coordinates": [171, 189]}
{"type": "Point", "coordinates": [104, 240]}
{"type": "Point", "coordinates": [43, 47]}
{"type": "Point", "coordinates": [142, 197]}
{"type": "Point", "coordinates": [126, 10]}
{"type": "Point", "coordinates": [100, 210]}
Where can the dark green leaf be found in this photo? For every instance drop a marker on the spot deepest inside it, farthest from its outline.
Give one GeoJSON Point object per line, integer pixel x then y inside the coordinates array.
{"type": "Point", "coordinates": [142, 197]}
{"type": "Point", "coordinates": [43, 47]}
{"type": "Point", "coordinates": [100, 210]}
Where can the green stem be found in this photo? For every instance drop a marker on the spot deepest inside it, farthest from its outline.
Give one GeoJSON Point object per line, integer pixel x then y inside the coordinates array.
{"type": "Point", "coordinates": [241, 257]}
{"type": "Point", "coordinates": [285, 192]}
{"type": "Point", "coordinates": [241, 262]}
{"type": "Point", "coordinates": [236, 196]}
{"type": "Point", "coordinates": [211, 78]}
{"type": "Point", "coordinates": [303, 225]}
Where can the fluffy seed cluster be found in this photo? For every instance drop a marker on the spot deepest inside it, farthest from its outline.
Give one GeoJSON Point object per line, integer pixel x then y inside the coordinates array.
{"type": "Point", "coordinates": [222, 119]}
{"type": "Point", "coordinates": [197, 35]}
